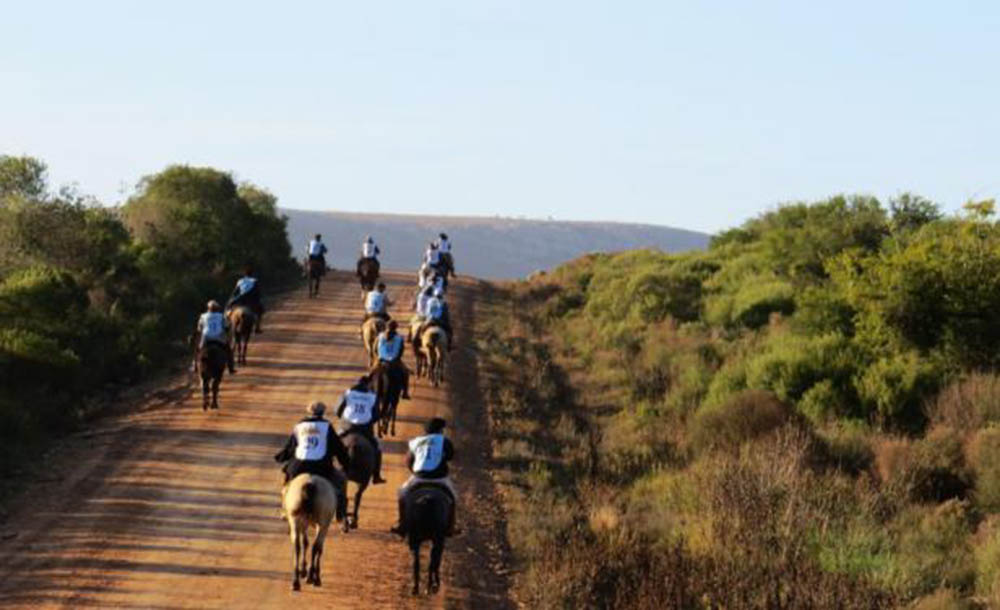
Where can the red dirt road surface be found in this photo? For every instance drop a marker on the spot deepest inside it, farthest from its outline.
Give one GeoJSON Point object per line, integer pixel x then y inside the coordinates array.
{"type": "Point", "coordinates": [172, 507]}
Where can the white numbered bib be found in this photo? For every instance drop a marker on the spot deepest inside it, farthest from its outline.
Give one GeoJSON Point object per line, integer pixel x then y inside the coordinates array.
{"type": "Point", "coordinates": [428, 451]}
{"type": "Point", "coordinates": [213, 325]}
{"type": "Point", "coordinates": [310, 439]}
{"type": "Point", "coordinates": [359, 406]}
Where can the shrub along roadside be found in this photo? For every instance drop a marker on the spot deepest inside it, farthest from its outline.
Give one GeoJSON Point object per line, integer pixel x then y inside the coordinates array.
{"type": "Point", "coordinates": [92, 296]}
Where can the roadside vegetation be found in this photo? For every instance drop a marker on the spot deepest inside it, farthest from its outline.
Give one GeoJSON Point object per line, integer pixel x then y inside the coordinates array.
{"type": "Point", "coordinates": [94, 297]}
{"type": "Point", "coordinates": [806, 414]}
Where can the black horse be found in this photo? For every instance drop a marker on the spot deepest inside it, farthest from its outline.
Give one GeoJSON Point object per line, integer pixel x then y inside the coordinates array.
{"type": "Point", "coordinates": [427, 512]}
{"type": "Point", "coordinates": [315, 270]}
{"type": "Point", "coordinates": [388, 387]}
{"type": "Point", "coordinates": [368, 270]}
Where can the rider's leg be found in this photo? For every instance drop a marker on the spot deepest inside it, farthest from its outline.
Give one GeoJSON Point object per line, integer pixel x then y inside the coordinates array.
{"type": "Point", "coordinates": [400, 527]}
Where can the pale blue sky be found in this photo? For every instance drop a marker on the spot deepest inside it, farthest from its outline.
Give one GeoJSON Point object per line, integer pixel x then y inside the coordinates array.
{"type": "Point", "coordinates": [691, 114]}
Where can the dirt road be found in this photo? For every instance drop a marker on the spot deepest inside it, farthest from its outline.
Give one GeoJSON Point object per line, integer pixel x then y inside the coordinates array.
{"type": "Point", "coordinates": [172, 507]}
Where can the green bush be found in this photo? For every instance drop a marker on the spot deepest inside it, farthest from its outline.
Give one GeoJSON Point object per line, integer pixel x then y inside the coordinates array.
{"type": "Point", "coordinates": [743, 417]}
{"type": "Point", "coordinates": [985, 458]}
{"type": "Point", "coordinates": [896, 387]}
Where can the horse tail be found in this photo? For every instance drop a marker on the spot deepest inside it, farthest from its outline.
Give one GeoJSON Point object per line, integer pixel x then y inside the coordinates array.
{"type": "Point", "coordinates": [308, 498]}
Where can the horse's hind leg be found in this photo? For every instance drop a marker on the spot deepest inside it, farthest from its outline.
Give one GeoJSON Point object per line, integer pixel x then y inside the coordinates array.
{"type": "Point", "coordinates": [415, 549]}
{"type": "Point", "coordinates": [296, 586]}
{"type": "Point", "coordinates": [357, 505]}
{"type": "Point", "coordinates": [434, 569]}
{"type": "Point", "coordinates": [317, 556]}
{"type": "Point", "coordinates": [215, 392]}
{"type": "Point", "coordinates": [204, 394]}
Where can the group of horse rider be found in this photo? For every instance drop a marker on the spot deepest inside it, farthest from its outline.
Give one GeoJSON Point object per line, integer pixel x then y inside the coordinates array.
{"type": "Point", "coordinates": [314, 443]}
{"type": "Point", "coordinates": [213, 326]}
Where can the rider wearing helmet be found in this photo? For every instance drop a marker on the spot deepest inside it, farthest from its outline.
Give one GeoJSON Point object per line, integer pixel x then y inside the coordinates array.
{"type": "Point", "coordinates": [435, 313]}
{"type": "Point", "coordinates": [369, 249]}
{"type": "Point", "coordinates": [316, 251]}
{"type": "Point", "coordinates": [377, 303]}
{"type": "Point", "coordinates": [247, 292]}
{"type": "Point", "coordinates": [433, 256]}
{"type": "Point", "coordinates": [390, 354]}
{"type": "Point", "coordinates": [444, 247]}
{"type": "Point", "coordinates": [213, 327]}
{"type": "Point", "coordinates": [359, 408]}
{"type": "Point", "coordinates": [311, 449]}
{"type": "Point", "coordinates": [427, 458]}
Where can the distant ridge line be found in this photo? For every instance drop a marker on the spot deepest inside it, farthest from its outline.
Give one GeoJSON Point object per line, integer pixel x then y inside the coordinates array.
{"type": "Point", "coordinates": [487, 247]}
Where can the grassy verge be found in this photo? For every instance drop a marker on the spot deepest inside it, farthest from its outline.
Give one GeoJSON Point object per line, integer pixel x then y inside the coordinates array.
{"type": "Point", "coordinates": [745, 503]}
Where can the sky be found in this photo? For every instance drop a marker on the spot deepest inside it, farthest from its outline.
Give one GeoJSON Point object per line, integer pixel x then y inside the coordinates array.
{"type": "Point", "coordinates": [690, 114]}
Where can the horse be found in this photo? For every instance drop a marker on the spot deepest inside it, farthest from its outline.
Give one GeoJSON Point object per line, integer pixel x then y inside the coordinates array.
{"type": "Point", "coordinates": [388, 387]}
{"type": "Point", "coordinates": [362, 467]}
{"type": "Point", "coordinates": [308, 500]}
{"type": "Point", "coordinates": [212, 361]}
{"type": "Point", "coordinates": [314, 271]}
{"type": "Point", "coordinates": [434, 352]}
{"type": "Point", "coordinates": [427, 512]}
{"type": "Point", "coordinates": [370, 330]}
{"type": "Point", "coordinates": [242, 320]}
{"type": "Point", "coordinates": [368, 270]}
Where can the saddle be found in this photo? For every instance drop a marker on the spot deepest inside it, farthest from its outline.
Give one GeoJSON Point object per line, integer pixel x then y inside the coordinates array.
{"type": "Point", "coordinates": [425, 487]}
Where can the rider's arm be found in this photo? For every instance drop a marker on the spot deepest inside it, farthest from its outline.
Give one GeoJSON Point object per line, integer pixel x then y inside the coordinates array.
{"type": "Point", "coordinates": [409, 460]}
{"type": "Point", "coordinates": [288, 451]}
{"type": "Point", "coordinates": [449, 449]}
{"type": "Point", "coordinates": [341, 406]}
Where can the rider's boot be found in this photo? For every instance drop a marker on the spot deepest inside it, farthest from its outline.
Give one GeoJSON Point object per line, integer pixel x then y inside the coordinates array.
{"type": "Point", "coordinates": [377, 478]}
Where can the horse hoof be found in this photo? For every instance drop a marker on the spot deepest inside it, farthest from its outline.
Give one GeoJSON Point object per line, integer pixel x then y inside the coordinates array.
{"type": "Point", "coordinates": [317, 583]}
{"type": "Point", "coordinates": [415, 591]}
{"type": "Point", "coordinates": [354, 525]}
{"type": "Point", "coordinates": [296, 586]}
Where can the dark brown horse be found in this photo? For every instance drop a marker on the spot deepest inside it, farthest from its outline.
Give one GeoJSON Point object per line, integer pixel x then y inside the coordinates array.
{"type": "Point", "coordinates": [315, 271]}
{"type": "Point", "coordinates": [362, 467]}
{"type": "Point", "coordinates": [211, 364]}
{"type": "Point", "coordinates": [368, 270]}
{"type": "Point", "coordinates": [388, 387]}
{"type": "Point", "coordinates": [427, 508]}
{"type": "Point", "coordinates": [242, 320]}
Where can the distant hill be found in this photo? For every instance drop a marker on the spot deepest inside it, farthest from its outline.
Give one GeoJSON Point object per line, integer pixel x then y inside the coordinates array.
{"type": "Point", "coordinates": [492, 248]}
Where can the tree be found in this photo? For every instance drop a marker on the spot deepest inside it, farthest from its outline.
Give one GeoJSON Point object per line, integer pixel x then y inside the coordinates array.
{"type": "Point", "coordinates": [22, 177]}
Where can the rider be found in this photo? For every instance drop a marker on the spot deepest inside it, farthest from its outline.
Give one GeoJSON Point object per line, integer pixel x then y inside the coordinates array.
{"type": "Point", "coordinates": [435, 313]}
{"type": "Point", "coordinates": [444, 247]}
{"type": "Point", "coordinates": [427, 458]}
{"type": "Point", "coordinates": [390, 354]}
{"type": "Point", "coordinates": [369, 249]}
{"type": "Point", "coordinates": [247, 292]}
{"type": "Point", "coordinates": [377, 303]}
{"type": "Point", "coordinates": [213, 327]}
{"type": "Point", "coordinates": [311, 449]}
{"type": "Point", "coordinates": [317, 251]}
{"type": "Point", "coordinates": [359, 408]}
{"type": "Point", "coordinates": [432, 256]}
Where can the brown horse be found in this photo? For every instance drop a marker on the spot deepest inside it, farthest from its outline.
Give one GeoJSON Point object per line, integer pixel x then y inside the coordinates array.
{"type": "Point", "coordinates": [315, 271]}
{"type": "Point", "coordinates": [370, 330]}
{"type": "Point", "coordinates": [212, 360]}
{"type": "Point", "coordinates": [368, 270]}
{"type": "Point", "coordinates": [242, 320]}
{"type": "Point", "coordinates": [308, 500]}
{"type": "Point", "coordinates": [427, 513]}
{"type": "Point", "coordinates": [388, 387]}
{"type": "Point", "coordinates": [362, 467]}
{"type": "Point", "coordinates": [433, 352]}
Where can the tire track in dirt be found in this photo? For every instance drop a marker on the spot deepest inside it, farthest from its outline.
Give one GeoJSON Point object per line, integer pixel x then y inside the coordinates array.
{"type": "Point", "coordinates": [171, 507]}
